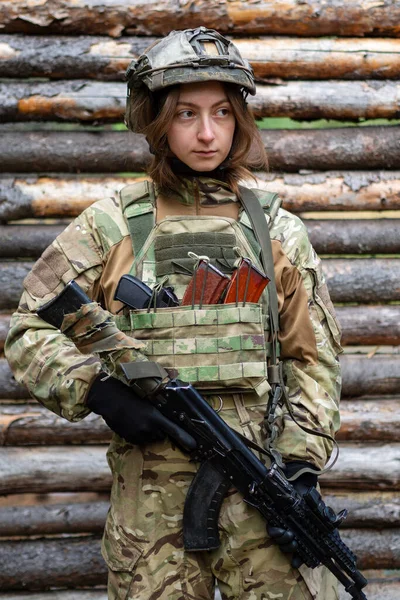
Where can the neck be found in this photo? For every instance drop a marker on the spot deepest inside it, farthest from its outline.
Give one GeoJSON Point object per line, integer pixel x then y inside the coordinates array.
{"type": "Point", "coordinates": [180, 168]}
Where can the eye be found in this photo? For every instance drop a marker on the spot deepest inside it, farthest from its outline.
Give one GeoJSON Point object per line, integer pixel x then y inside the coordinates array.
{"type": "Point", "coordinates": [186, 114]}
{"type": "Point", "coordinates": [224, 111]}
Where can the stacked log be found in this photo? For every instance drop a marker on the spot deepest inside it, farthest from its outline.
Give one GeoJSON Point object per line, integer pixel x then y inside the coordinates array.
{"type": "Point", "coordinates": [94, 102]}
{"type": "Point", "coordinates": [61, 92]}
{"type": "Point", "coordinates": [281, 17]}
{"type": "Point", "coordinates": [328, 236]}
{"type": "Point", "coordinates": [349, 149]}
{"type": "Point", "coordinates": [27, 424]}
{"type": "Point", "coordinates": [98, 57]}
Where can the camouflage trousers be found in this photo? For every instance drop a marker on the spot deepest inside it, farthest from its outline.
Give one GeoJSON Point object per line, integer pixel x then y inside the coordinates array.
{"type": "Point", "coordinates": [143, 545]}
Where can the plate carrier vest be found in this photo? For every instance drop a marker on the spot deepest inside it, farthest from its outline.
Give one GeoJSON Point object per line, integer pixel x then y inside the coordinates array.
{"type": "Point", "coordinates": [215, 347]}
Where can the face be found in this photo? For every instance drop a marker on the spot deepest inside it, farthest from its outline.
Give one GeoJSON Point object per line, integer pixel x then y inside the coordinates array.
{"type": "Point", "coordinates": [202, 128]}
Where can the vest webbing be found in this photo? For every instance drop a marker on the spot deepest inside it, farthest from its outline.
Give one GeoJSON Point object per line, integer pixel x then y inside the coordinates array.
{"type": "Point", "coordinates": [138, 203]}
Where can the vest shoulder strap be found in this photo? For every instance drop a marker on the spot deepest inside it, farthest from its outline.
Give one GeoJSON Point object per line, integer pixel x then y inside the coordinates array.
{"type": "Point", "coordinates": [270, 203]}
{"type": "Point", "coordinates": [253, 205]}
{"type": "Point", "coordinates": [138, 203]}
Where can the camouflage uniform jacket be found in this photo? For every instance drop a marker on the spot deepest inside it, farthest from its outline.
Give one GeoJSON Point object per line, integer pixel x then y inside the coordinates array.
{"type": "Point", "coordinates": [96, 250]}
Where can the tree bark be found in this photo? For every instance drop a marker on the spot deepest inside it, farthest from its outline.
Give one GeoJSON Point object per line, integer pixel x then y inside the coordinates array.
{"type": "Point", "coordinates": [367, 510]}
{"type": "Point", "coordinates": [330, 236]}
{"type": "Point", "coordinates": [369, 325]}
{"type": "Point", "coordinates": [34, 425]}
{"type": "Point", "coordinates": [73, 152]}
{"type": "Point", "coordinates": [26, 241]}
{"type": "Point", "coordinates": [379, 471]}
{"type": "Point", "coordinates": [45, 564]}
{"type": "Point", "coordinates": [315, 58]}
{"type": "Point", "coordinates": [9, 388]}
{"type": "Point", "coordinates": [84, 468]}
{"type": "Point", "coordinates": [369, 420]}
{"type": "Point", "coordinates": [90, 57]}
{"type": "Point", "coordinates": [354, 236]}
{"type": "Point", "coordinates": [11, 278]}
{"type": "Point", "coordinates": [374, 549]}
{"type": "Point", "coordinates": [288, 150]}
{"type": "Point", "coordinates": [338, 100]}
{"type": "Point", "coordinates": [363, 376]}
{"type": "Point", "coordinates": [384, 589]}
{"type": "Point", "coordinates": [51, 197]}
{"type": "Point", "coordinates": [101, 102]}
{"type": "Point", "coordinates": [54, 469]}
{"type": "Point", "coordinates": [332, 191]}
{"type": "Point", "coordinates": [77, 100]}
{"type": "Point", "coordinates": [364, 280]}
{"type": "Point", "coordinates": [283, 17]}
{"type": "Point", "coordinates": [344, 148]}
{"type": "Point", "coordinates": [53, 519]}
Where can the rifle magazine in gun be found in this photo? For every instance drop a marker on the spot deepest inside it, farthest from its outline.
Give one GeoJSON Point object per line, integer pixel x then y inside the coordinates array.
{"type": "Point", "coordinates": [202, 505]}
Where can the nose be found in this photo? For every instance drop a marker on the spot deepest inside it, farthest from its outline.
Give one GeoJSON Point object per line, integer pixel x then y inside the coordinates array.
{"type": "Point", "coordinates": [205, 131]}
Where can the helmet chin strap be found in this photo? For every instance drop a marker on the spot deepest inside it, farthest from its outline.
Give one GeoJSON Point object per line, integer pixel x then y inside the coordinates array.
{"type": "Point", "coordinates": [181, 168]}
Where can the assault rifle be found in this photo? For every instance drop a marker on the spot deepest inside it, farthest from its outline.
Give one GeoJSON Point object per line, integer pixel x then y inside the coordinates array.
{"type": "Point", "coordinates": [227, 460]}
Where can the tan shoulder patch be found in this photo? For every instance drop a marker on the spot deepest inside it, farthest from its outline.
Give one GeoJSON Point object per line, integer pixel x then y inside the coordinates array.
{"type": "Point", "coordinates": [68, 256]}
{"type": "Point", "coordinates": [46, 273]}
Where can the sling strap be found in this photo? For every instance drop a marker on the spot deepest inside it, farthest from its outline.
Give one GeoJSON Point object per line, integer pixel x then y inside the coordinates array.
{"type": "Point", "coordinates": [275, 375]}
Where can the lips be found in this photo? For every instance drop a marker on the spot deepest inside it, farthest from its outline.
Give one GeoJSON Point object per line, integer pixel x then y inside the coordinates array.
{"type": "Point", "coordinates": [205, 152]}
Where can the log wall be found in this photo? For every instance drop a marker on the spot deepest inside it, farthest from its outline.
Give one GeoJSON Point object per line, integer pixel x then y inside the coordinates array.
{"type": "Point", "coordinates": [62, 91]}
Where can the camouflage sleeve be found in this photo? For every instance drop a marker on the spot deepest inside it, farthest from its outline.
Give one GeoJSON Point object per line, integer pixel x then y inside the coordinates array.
{"type": "Point", "coordinates": [43, 359]}
{"type": "Point", "coordinates": [312, 338]}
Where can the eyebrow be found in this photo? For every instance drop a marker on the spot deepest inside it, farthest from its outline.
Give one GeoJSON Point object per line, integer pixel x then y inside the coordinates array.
{"type": "Point", "coordinates": [197, 105]}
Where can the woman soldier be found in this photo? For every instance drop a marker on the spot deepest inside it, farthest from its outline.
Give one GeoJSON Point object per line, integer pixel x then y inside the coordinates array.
{"type": "Point", "coordinates": [187, 95]}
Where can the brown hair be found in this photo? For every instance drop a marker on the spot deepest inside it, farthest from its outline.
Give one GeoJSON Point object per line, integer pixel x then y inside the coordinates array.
{"type": "Point", "coordinates": [152, 115]}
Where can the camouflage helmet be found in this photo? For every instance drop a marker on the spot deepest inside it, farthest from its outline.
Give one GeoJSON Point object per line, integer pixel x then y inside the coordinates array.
{"type": "Point", "coordinates": [188, 56]}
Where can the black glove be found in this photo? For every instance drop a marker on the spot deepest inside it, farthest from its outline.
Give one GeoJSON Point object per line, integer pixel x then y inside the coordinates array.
{"type": "Point", "coordinates": [285, 537]}
{"type": "Point", "coordinates": [134, 419]}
